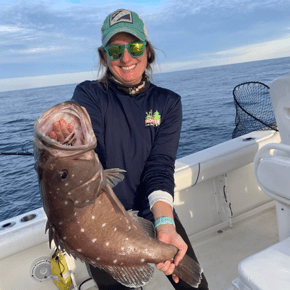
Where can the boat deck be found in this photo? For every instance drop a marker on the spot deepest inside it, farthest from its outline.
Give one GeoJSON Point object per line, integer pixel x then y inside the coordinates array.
{"type": "Point", "coordinates": [219, 254]}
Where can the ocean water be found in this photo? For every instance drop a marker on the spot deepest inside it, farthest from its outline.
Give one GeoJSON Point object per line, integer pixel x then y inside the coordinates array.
{"type": "Point", "coordinates": [208, 119]}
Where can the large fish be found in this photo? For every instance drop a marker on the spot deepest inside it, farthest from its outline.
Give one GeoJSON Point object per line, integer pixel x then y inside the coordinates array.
{"type": "Point", "coordinates": [85, 218]}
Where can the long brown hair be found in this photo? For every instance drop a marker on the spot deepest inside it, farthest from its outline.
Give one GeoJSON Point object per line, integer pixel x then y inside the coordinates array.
{"type": "Point", "coordinates": [151, 57]}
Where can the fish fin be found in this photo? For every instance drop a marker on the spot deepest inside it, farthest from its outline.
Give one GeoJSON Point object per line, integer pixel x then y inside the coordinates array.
{"type": "Point", "coordinates": [145, 224]}
{"type": "Point", "coordinates": [131, 276]}
{"type": "Point", "coordinates": [113, 176]}
{"type": "Point", "coordinates": [189, 271]}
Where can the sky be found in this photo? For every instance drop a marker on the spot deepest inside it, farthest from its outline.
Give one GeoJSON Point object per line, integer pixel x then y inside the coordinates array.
{"type": "Point", "coordinates": [53, 42]}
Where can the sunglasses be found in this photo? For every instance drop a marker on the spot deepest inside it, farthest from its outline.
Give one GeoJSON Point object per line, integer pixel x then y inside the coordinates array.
{"type": "Point", "coordinates": [116, 51]}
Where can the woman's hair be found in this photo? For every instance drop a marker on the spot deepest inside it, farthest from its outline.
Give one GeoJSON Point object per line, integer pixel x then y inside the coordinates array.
{"type": "Point", "coordinates": [151, 57]}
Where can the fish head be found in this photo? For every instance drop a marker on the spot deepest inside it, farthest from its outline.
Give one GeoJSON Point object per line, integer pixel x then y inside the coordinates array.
{"type": "Point", "coordinates": [65, 168]}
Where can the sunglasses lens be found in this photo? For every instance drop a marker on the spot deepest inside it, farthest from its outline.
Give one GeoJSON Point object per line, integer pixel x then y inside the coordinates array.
{"type": "Point", "coordinates": [137, 48]}
{"type": "Point", "coordinates": [115, 51]}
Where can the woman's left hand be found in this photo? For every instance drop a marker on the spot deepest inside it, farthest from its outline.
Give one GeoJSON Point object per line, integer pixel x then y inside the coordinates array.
{"type": "Point", "coordinates": [167, 234]}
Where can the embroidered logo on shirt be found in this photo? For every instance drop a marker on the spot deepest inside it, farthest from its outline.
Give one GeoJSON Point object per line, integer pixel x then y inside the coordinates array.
{"type": "Point", "coordinates": [121, 15]}
{"type": "Point", "coordinates": [153, 119]}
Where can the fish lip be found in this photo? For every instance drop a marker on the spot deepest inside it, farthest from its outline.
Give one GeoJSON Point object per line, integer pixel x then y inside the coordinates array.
{"type": "Point", "coordinates": [41, 128]}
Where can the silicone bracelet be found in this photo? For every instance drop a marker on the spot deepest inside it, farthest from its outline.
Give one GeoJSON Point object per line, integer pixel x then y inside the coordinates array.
{"type": "Point", "coordinates": [163, 221]}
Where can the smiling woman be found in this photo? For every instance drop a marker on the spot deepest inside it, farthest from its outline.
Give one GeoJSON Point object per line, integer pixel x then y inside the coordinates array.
{"type": "Point", "coordinates": [137, 126]}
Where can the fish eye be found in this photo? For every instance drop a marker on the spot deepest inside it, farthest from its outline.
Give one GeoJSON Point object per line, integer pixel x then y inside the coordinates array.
{"type": "Point", "coordinates": [63, 174]}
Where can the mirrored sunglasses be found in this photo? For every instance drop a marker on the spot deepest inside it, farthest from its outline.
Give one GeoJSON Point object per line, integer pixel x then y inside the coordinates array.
{"type": "Point", "coordinates": [116, 51]}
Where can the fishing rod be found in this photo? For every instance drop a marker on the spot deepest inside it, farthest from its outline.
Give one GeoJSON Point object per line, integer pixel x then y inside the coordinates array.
{"type": "Point", "coordinates": [17, 153]}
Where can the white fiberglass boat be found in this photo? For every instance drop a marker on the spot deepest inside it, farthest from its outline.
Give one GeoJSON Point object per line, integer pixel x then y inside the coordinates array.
{"type": "Point", "coordinates": [225, 200]}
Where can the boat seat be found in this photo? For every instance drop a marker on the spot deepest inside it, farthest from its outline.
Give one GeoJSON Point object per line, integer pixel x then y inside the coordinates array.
{"type": "Point", "coordinates": [268, 269]}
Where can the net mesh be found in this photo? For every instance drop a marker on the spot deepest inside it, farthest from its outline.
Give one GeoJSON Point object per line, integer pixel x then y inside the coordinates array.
{"type": "Point", "coordinates": [254, 111]}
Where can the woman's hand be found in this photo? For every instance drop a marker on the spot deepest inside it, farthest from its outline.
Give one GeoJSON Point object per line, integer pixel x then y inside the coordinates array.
{"type": "Point", "coordinates": [60, 130]}
{"type": "Point", "coordinates": [167, 234]}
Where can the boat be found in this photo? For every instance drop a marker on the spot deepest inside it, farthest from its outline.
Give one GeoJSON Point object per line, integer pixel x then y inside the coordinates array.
{"type": "Point", "coordinates": [223, 198]}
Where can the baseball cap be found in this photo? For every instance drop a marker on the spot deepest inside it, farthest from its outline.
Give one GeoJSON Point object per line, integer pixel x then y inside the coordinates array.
{"type": "Point", "coordinates": [123, 20]}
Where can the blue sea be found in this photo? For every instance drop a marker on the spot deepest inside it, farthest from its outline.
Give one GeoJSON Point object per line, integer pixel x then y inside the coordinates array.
{"type": "Point", "coordinates": [208, 119]}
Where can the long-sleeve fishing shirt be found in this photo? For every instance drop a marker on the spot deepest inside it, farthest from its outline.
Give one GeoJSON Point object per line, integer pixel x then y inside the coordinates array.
{"type": "Point", "coordinates": [137, 133]}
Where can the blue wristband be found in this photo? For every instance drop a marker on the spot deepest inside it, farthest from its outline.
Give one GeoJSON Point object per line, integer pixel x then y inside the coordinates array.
{"type": "Point", "coordinates": [163, 221]}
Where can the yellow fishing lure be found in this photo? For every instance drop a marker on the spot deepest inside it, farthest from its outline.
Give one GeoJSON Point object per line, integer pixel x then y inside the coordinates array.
{"type": "Point", "coordinates": [59, 271]}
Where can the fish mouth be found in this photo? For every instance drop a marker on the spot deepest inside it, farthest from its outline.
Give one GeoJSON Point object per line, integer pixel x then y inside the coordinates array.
{"type": "Point", "coordinates": [81, 137]}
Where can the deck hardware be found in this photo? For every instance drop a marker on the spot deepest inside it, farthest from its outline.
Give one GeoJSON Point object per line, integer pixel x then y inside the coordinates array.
{"type": "Point", "coordinates": [8, 225]}
{"type": "Point", "coordinates": [40, 269]}
{"type": "Point", "coordinates": [28, 218]}
{"type": "Point", "coordinates": [249, 139]}
{"type": "Point", "coordinates": [222, 198]}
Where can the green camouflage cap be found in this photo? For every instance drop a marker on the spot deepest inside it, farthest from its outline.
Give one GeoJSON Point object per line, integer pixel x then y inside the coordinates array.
{"type": "Point", "coordinates": [123, 20]}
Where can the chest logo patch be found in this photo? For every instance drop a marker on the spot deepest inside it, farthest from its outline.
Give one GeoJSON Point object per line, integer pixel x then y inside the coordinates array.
{"type": "Point", "coordinates": [152, 119]}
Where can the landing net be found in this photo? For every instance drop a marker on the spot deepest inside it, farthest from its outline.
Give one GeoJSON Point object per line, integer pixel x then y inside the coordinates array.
{"type": "Point", "coordinates": [254, 111]}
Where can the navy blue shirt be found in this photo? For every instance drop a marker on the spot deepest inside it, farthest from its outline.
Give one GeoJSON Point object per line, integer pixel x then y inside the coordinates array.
{"type": "Point", "coordinates": [137, 133]}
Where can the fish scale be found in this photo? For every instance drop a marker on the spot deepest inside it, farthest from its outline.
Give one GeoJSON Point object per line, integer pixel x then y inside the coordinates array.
{"type": "Point", "coordinates": [85, 217]}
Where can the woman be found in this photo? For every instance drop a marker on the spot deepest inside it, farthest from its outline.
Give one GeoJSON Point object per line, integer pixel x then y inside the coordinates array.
{"type": "Point", "coordinates": [137, 125]}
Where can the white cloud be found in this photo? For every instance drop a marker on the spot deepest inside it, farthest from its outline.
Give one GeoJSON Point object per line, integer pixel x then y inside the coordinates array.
{"type": "Point", "coordinates": [36, 50]}
{"type": "Point", "coordinates": [9, 29]}
{"type": "Point", "coordinates": [260, 51]}
{"type": "Point", "coordinates": [266, 50]}
{"type": "Point", "coordinates": [11, 84]}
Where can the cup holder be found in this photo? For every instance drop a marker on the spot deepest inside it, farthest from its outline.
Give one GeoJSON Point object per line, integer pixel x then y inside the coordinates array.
{"type": "Point", "coordinates": [8, 225]}
{"type": "Point", "coordinates": [28, 218]}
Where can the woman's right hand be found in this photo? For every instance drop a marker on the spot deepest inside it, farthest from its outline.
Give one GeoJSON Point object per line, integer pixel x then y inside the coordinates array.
{"type": "Point", "coordinates": [60, 130]}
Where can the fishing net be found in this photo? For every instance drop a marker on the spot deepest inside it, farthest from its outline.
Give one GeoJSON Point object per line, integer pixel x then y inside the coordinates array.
{"type": "Point", "coordinates": [254, 111]}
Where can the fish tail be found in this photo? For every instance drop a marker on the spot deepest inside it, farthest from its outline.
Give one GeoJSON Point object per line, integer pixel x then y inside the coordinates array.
{"type": "Point", "coordinates": [189, 271]}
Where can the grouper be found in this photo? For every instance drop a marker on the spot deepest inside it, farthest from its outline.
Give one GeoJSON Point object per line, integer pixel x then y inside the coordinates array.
{"type": "Point", "coordinates": [84, 216]}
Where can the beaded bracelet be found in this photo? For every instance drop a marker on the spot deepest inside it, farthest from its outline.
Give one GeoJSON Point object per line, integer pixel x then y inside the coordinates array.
{"type": "Point", "coordinates": [164, 220]}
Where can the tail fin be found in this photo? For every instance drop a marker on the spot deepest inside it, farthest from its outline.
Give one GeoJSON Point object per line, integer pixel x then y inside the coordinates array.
{"type": "Point", "coordinates": [189, 271]}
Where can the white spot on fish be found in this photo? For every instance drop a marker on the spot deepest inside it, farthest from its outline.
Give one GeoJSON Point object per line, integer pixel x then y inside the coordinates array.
{"type": "Point", "coordinates": [99, 202]}
{"type": "Point", "coordinates": [57, 189]}
{"type": "Point", "coordinates": [94, 240]}
{"type": "Point", "coordinates": [69, 193]}
{"type": "Point", "coordinates": [72, 175]}
{"type": "Point", "coordinates": [50, 192]}
{"type": "Point", "coordinates": [81, 181]}
{"type": "Point", "coordinates": [60, 223]}
{"type": "Point", "coordinates": [82, 230]}
{"type": "Point", "coordinates": [115, 229]}
{"type": "Point", "coordinates": [66, 184]}
{"type": "Point", "coordinates": [115, 261]}
{"type": "Point", "coordinates": [76, 202]}
{"type": "Point", "coordinates": [98, 259]}
{"type": "Point", "coordinates": [129, 228]}
{"type": "Point", "coordinates": [64, 238]}
{"type": "Point", "coordinates": [107, 244]}
{"type": "Point", "coordinates": [127, 239]}
{"type": "Point", "coordinates": [88, 188]}
{"type": "Point", "coordinates": [122, 248]}
{"type": "Point", "coordinates": [103, 225]}
{"type": "Point", "coordinates": [142, 260]}
{"type": "Point", "coordinates": [93, 217]}
{"type": "Point", "coordinates": [121, 265]}
{"type": "Point", "coordinates": [78, 222]}
{"type": "Point", "coordinates": [79, 250]}
{"type": "Point", "coordinates": [65, 202]}
{"type": "Point", "coordinates": [87, 200]}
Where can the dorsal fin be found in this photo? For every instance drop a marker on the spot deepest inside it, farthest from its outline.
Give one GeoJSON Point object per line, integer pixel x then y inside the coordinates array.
{"type": "Point", "coordinates": [145, 224]}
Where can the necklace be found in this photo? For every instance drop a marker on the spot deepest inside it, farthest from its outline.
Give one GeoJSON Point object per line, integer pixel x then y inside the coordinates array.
{"type": "Point", "coordinates": [132, 90]}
